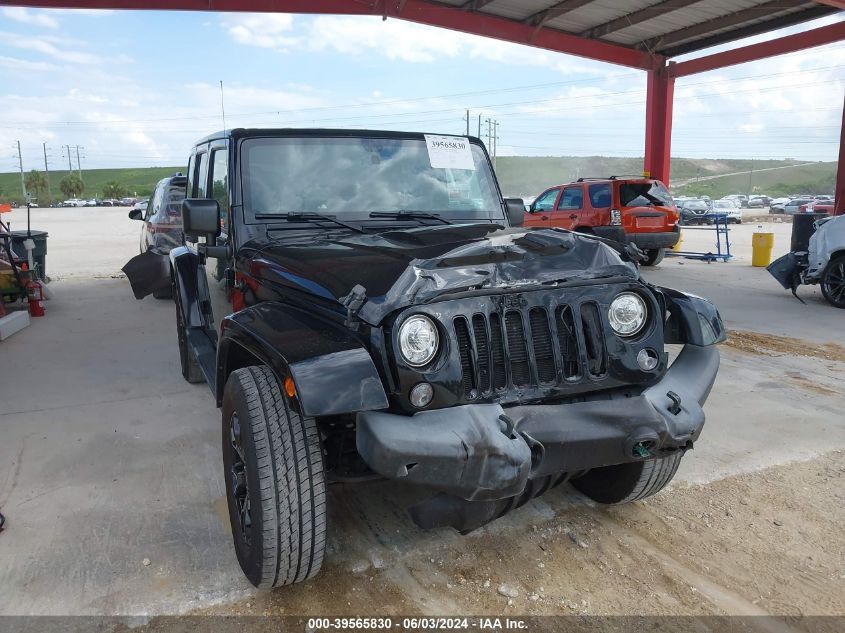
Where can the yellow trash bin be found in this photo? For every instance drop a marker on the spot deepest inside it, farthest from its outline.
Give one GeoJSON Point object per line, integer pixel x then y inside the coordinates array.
{"type": "Point", "coordinates": [761, 249]}
{"type": "Point", "coordinates": [677, 247]}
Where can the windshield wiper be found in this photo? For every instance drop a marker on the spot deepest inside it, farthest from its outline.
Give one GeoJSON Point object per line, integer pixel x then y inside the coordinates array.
{"type": "Point", "coordinates": [302, 216]}
{"type": "Point", "coordinates": [408, 215]}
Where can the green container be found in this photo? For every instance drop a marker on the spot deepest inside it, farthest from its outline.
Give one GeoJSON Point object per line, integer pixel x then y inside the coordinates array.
{"type": "Point", "coordinates": [39, 253]}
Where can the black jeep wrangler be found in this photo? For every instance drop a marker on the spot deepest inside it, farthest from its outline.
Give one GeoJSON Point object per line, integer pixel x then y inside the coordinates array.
{"type": "Point", "coordinates": [365, 304]}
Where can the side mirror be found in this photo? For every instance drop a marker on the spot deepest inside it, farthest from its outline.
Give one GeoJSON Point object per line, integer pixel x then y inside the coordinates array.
{"type": "Point", "coordinates": [516, 211]}
{"type": "Point", "coordinates": [201, 218]}
{"type": "Point", "coordinates": [136, 214]}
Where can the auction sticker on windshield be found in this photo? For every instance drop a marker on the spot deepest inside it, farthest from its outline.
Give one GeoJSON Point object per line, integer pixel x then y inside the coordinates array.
{"type": "Point", "coordinates": [449, 152]}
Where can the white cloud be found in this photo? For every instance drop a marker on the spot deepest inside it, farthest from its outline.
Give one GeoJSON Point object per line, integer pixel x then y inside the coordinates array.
{"type": "Point", "coordinates": [42, 19]}
{"type": "Point", "coordinates": [266, 30]}
{"type": "Point", "coordinates": [396, 40]}
{"type": "Point", "coordinates": [63, 49]}
{"type": "Point", "coordinates": [93, 13]}
{"type": "Point", "coordinates": [26, 65]}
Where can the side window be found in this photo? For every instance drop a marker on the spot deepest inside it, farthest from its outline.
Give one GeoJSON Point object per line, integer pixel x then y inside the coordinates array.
{"type": "Point", "coordinates": [219, 185]}
{"type": "Point", "coordinates": [201, 186]}
{"type": "Point", "coordinates": [546, 201]}
{"type": "Point", "coordinates": [572, 198]}
{"type": "Point", "coordinates": [192, 177]}
{"type": "Point", "coordinates": [600, 196]}
{"type": "Point", "coordinates": [154, 205]}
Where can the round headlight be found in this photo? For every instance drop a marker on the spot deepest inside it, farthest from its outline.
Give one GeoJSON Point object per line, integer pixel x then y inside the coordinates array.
{"type": "Point", "coordinates": [418, 340]}
{"type": "Point", "coordinates": [627, 314]}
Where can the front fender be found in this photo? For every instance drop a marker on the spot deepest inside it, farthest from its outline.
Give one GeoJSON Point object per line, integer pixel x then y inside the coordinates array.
{"type": "Point", "coordinates": [692, 320]}
{"type": "Point", "coordinates": [192, 286]}
{"type": "Point", "coordinates": [147, 272]}
{"type": "Point", "coordinates": [332, 371]}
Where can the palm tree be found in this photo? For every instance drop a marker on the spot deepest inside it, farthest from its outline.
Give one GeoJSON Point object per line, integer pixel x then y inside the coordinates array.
{"type": "Point", "coordinates": [113, 190]}
{"type": "Point", "coordinates": [36, 184]}
{"type": "Point", "coordinates": [72, 186]}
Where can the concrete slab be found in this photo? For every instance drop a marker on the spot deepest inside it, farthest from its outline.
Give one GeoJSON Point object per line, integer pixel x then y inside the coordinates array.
{"type": "Point", "coordinates": [108, 457]}
{"type": "Point", "coordinates": [13, 322]}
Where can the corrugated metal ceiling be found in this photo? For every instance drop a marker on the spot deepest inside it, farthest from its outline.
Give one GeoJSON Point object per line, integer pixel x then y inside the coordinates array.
{"type": "Point", "coordinates": [668, 27]}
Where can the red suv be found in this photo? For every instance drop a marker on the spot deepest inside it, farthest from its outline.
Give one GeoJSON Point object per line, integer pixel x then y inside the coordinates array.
{"type": "Point", "coordinates": [638, 210]}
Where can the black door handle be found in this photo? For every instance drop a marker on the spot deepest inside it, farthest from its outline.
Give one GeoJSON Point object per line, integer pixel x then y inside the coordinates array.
{"type": "Point", "coordinates": [544, 217]}
{"type": "Point", "coordinates": [573, 216]}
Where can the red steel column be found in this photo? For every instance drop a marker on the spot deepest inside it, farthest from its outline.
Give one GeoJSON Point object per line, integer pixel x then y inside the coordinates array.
{"type": "Point", "coordinates": [658, 123]}
{"type": "Point", "coordinates": [839, 204]}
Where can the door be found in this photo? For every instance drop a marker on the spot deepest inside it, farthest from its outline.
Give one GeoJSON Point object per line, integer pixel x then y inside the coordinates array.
{"type": "Point", "coordinates": [541, 208]}
{"type": "Point", "coordinates": [597, 212]}
{"type": "Point", "coordinates": [567, 212]}
{"type": "Point", "coordinates": [216, 183]}
{"type": "Point", "coordinates": [152, 209]}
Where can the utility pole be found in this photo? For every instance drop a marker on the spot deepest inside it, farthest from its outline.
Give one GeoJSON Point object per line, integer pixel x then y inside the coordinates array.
{"type": "Point", "coordinates": [79, 164]}
{"type": "Point", "coordinates": [47, 172]}
{"type": "Point", "coordinates": [479, 126]}
{"type": "Point", "coordinates": [495, 142]}
{"type": "Point", "coordinates": [69, 166]}
{"type": "Point", "coordinates": [750, 177]}
{"type": "Point", "coordinates": [487, 121]}
{"type": "Point", "coordinates": [20, 164]}
{"type": "Point", "coordinates": [467, 120]}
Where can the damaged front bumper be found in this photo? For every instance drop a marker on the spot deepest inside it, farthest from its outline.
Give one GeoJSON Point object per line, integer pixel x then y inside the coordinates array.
{"type": "Point", "coordinates": [486, 452]}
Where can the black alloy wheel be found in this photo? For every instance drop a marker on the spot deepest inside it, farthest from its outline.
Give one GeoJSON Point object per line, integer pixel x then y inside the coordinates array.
{"type": "Point", "coordinates": [833, 282]}
{"type": "Point", "coordinates": [237, 480]}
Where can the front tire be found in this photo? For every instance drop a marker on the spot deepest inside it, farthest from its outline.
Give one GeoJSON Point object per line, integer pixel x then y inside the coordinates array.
{"type": "Point", "coordinates": [833, 282]}
{"type": "Point", "coordinates": [654, 256]}
{"type": "Point", "coordinates": [275, 484]}
{"type": "Point", "coordinates": [628, 482]}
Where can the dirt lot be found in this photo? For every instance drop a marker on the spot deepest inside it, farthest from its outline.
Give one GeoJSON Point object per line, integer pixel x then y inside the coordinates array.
{"type": "Point", "coordinates": [109, 461]}
{"type": "Point", "coordinates": [765, 543]}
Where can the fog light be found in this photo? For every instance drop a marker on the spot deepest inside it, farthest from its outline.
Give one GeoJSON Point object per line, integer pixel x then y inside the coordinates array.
{"type": "Point", "coordinates": [647, 359]}
{"type": "Point", "coordinates": [421, 395]}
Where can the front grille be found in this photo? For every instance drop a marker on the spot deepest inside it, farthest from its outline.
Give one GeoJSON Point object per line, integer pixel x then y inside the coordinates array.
{"type": "Point", "coordinates": [525, 347]}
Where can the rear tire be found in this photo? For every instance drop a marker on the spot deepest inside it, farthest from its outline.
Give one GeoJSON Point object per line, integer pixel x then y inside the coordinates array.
{"type": "Point", "coordinates": [275, 483]}
{"type": "Point", "coordinates": [654, 256]}
{"type": "Point", "coordinates": [190, 366]}
{"type": "Point", "coordinates": [628, 482]}
{"type": "Point", "coordinates": [833, 282]}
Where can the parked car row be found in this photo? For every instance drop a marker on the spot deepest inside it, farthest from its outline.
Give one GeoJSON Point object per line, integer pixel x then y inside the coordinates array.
{"type": "Point", "coordinates": [97, 202]}
{"type": "Point", "coordinates": [802, 204]}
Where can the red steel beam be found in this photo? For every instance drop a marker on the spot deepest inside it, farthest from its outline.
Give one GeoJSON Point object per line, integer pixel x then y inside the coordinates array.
{"type": "Point", "coordinates": [421, 11]}
{"type": "Point", "coordinates": [511, 31]}
{"type": "Point", "coordinates": [344, 7]}
{"type": "Point", "coordinates": [788, 44]}
{"type": "Point", "coordinates": [660, 88]}
{"type": "Point", "coordinates": [839, 4]}
{"type": "Point", "coordinates": [839, 200]}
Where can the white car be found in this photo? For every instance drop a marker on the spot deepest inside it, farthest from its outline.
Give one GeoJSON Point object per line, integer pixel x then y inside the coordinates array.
{"type": "Point", "coordinates": [73, 202]}
{"type": "Point", "coordinates": [728, 208]}
{"type": "Point", "coordinates": [823, 262]}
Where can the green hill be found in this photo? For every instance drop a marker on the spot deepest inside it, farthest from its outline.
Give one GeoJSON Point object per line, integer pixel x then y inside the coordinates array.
{"type": "Point", "coordinates": [136, 181]}
{"type": "Point", "coordinates": [528, 175]}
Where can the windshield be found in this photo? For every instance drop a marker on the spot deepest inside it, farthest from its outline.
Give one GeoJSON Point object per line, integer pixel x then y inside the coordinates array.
{"type": "Point", "coordinates": [724, 204]}
{"type": "Point", "coordinates": [644, 194]}
{"type": "Point", "coordinates": [696, 204]}
{"type": "Point", "coordinates": [352, 177]}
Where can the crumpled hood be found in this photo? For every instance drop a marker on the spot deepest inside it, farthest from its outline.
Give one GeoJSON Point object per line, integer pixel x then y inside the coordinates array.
{"type": "Point", "coordinates": [402, 268]}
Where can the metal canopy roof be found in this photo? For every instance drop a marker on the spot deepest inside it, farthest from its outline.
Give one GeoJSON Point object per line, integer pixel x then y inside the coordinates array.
{"type": "Point", "coordinates": [664, 27]}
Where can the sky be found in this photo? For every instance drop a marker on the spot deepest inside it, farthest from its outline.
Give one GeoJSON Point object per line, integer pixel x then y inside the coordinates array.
{"type": "Point", "coordinates": [136, 88]}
